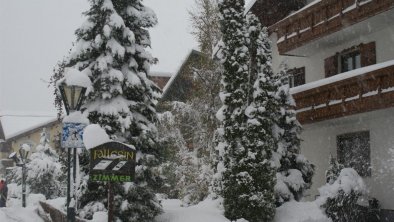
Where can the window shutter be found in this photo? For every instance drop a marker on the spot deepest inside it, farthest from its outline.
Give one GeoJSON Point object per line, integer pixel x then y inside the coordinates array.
{"type": "Point", "coordinates": [331, 65]}
{"type": "Point", "coordinates": [368, 54]}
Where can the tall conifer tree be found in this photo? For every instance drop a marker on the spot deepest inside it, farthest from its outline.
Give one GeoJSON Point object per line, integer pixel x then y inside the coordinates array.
{"type": "Point", "coordinates": [110, 49]}
{"type": "Point", "coordinates": [247, 192]}
{"type": "Point", "coordinates": [259, 139]}
{"type": "Point", "coordinates": [294, 171]}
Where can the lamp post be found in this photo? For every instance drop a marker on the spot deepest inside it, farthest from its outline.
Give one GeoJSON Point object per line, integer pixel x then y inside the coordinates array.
{"type": "Point", "coordinates": [72, 96]}
{"type": "Point", "coordinates": [21, 162]}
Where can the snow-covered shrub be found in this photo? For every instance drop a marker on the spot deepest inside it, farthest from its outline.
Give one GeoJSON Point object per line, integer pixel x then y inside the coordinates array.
{"type": "Point", "coordinates": [89, 209]}
{"type": "Point", "coordinates": [333, 170]}
{"type": "Point", "coordinates": [342, 196]}
{"type": "Point", "coordinates": [294, 171]}
{"type": "Point", "coordinates": [183, 139]}
{"type": "Point", "coordinates": [44, 173]}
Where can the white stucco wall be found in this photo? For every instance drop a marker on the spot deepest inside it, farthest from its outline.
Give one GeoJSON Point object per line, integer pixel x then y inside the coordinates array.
{"type": "Point", "coordinates": [320, 139]}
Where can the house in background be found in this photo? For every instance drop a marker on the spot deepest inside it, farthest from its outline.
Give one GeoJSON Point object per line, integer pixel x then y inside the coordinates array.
{"type": "Point", "coordinates": [341, 59]}
{"type": "Point", "coordinates": [16, 130]}
{"type": "Point", "coordinates": [180, 86]}
{"type": "Point", "coordinates": [160, 78]}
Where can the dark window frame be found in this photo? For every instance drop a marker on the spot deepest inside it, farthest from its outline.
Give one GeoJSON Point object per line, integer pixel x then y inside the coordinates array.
{"type": "Point", "coordinates": [362, 164]}
{"type": "Point", "coordinates": [353, 54]}
{"type": "Point", "coordinates": [296, 76]}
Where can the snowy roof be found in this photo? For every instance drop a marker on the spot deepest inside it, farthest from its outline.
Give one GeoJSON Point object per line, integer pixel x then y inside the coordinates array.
{"type": "Point", "coordinates": [160, 74]}
{"type": "Point", "coordinates": [173, 77]}
{"type": "Point", "coordinates": [17, 123]}
{"type": "Point", "coordinates": [341, 76]}
{"type": "Point", "coordinates": [249, 5]}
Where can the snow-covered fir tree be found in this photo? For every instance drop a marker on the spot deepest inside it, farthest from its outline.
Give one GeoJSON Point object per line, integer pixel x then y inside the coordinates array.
{"type": "Point", "coordinates": [110, 49]}
{"type": "Point", "coordinates": [294, 171]}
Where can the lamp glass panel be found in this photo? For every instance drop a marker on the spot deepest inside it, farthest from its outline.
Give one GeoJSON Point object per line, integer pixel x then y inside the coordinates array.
{"type": "Point", "coordinates": [68, 93]}
{"type": "Point", "coordinates": [22, 153]}
{"type": "Point", "coordinates": [77, 95]}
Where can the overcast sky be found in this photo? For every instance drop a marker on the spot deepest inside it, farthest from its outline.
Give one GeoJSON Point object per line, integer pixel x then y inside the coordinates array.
{"type": "Point", "coordinates": [35, 34]}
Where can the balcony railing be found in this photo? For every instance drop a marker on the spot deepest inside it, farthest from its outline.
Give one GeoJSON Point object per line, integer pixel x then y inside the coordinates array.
{"type": "Point", "coordinates": [366, 89]}
{"type": "Point", "coordinates": [322, 18]}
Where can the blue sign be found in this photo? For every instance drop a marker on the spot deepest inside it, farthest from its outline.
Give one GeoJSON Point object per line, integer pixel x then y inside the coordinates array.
{"type": "Point", "coordinates": [72, 136]}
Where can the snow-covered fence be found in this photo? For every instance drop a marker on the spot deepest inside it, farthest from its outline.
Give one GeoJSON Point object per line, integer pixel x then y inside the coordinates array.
{"type": "Point", "coordinates": [55, 214]}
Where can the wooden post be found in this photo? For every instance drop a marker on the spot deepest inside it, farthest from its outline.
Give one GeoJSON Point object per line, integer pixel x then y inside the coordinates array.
{"type": "Point", "coordinates": [110, 203]}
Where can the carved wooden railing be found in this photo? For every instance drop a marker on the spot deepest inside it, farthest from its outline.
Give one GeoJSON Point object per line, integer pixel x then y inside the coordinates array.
{"type": "Point", "coordinates": [362, 93]}
{"type": "Point", "coordinates": [323, 18]}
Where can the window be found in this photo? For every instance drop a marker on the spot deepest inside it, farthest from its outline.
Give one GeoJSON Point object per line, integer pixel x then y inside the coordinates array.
{"type": "Point", "coordinates": [353, 150]}
{"type": "Point", "coordinates": [350, 60]}
{"type": "Point", "coordinates": [296, 76]}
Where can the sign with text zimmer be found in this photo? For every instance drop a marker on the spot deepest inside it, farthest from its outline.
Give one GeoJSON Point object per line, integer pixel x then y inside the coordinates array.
{"type": "Point", "coordinates": [112, 162]}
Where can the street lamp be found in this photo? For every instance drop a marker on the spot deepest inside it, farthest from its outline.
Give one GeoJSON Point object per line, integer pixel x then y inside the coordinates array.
{"type": "Point", "coordinates": [72, 96]}
{"type": "Point", "coordinates": [21, 162]}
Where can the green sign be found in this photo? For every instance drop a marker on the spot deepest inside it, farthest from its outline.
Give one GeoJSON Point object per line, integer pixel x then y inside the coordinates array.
{"type": "Point", "coordinates": [112, 162]}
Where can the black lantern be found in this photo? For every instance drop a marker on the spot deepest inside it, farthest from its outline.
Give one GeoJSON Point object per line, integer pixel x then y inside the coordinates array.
{"type": "Point", "coordinates": [72, 96]}
{"type": "Point", "coordinates": [21, 162]}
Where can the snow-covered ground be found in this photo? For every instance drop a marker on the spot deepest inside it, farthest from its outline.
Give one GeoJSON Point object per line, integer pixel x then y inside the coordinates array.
{"type": "Point", "coordinates": [206, 211]}
{"type": "Point", "coordinates": [212, 211]}
{"type": "Point", "coordinates": [19, 214]}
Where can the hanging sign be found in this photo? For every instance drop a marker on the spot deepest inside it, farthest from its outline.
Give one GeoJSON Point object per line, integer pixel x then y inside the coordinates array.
{"type": "Point", "coordinates": [72, 135]}
{"type": "Point", "coordinates": [112, 162]}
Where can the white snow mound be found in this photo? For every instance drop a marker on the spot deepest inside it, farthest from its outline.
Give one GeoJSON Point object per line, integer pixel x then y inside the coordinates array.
{"type": "Point", "coordinates": [94, 135]}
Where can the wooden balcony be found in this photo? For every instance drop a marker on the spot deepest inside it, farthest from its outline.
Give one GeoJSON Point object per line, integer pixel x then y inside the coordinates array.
{"type": "Point", "coordinates": [352, 93]}
{"type": "Point", "coordinates": [322, 18]}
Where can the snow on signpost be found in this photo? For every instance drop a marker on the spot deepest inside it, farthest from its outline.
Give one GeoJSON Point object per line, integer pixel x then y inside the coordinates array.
{"type": "Point", "coordinates": [110, 161]}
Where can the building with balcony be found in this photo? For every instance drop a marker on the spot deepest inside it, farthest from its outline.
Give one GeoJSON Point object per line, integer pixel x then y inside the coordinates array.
{"type": "Point", "coordinates": [340, 54]}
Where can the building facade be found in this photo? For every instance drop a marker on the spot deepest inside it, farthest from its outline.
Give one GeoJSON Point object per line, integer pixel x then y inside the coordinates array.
{"type": "Point", "coordinates": [340, 54]}
{"type": "Point", "coordinates": [30, 134]}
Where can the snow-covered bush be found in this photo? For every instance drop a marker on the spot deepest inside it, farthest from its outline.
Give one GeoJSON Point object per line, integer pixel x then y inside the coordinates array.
{"type": "Point", "coordinates": [342, 195]}
{"type": "Point", "coordinates": [294, 171]}
{"type": "Point", "coordinates": [183, 140]}
{"type": "Point", "coordinates": [44, 173]}
{"type": "Point", "coordinates": [333, 170]}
